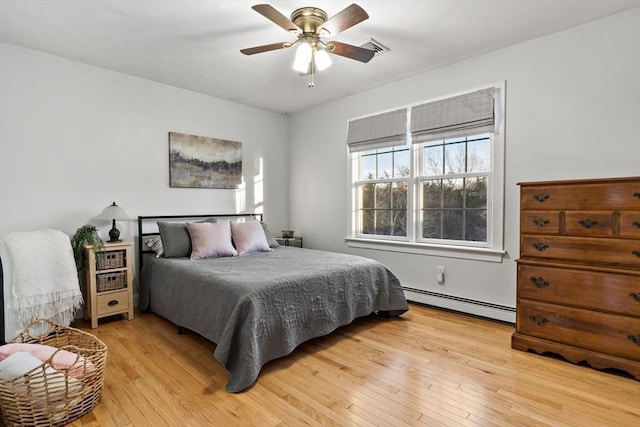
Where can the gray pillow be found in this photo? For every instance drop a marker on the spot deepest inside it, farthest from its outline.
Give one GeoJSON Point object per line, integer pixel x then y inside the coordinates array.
{"type": "Point", "coordinates": [270, 240]}
{"type": "Point", "coordinates": [176, 239]}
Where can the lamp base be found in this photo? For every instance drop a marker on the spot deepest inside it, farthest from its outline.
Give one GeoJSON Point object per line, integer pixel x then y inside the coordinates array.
{"type": "Point", "coordinates": [114, 234]}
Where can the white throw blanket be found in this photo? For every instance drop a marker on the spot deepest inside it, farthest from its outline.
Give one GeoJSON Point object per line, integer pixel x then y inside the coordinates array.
{"type": "Point", "coordinates": [44, 282]}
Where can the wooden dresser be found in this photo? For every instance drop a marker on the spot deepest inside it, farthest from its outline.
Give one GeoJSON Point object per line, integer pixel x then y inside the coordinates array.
{"type": "Point", "coordinates": [579, 271]}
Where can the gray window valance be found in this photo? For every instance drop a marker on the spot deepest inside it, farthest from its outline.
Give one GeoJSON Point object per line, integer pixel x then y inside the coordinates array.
{"type": "Point", "coordinates": [463, 115]}
{"type": "Point", "coordinates": [379, 131]}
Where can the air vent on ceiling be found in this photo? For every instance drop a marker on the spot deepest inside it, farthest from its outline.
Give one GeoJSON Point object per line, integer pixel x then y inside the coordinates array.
{"type": "Point", "coordinates": [375, 46]}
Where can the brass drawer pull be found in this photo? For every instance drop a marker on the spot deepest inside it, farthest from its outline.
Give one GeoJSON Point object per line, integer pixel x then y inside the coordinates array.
{"type": "Point", "coordinates": [542, 197]}
{"type": "Point", "coordinates": [541, 246]}
{"type": "Point", "coordinates": [112, 303]}
{"type": "Point", "coordinates": [635, 296]}
{"type": "Point", "coordinates": [540, 222]}
{"type": "Point", "coordinates": [587, 222]}
{"type": "Point", "coordinates": [636, 253]}
{"type": "Point", "coordinates": [636, 224]}
{"type": "Point", "coordinates": [636, 195]}
{"type": "Point", "coordinates": [538, 320]}
{"type": "Point", "coordinates": [539, 282]}
{"type": "Point", "coordinates": [635, 339]}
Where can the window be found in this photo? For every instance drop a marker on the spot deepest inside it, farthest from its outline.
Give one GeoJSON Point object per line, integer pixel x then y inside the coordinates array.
{"type": "Point", "coordinates": [382, 189]}
{"type": "Point", "coordinates": [453, 189]}
{"type": "Point", "coordinates": [443, 190]}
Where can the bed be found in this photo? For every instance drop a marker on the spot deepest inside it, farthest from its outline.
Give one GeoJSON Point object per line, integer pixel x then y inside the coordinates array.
{"type": "Point", "coordinates": [260, 306]}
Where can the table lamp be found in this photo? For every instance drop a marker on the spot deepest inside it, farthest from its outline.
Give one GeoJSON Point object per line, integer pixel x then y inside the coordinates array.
{"type": "Point", "coordinates": [113, 213]}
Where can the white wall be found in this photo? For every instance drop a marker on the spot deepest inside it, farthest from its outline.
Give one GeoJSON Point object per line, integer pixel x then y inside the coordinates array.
{"type": "Point", "coordinates": [74, 138]}
{"type": "Point", "coordinates": [572, 111]}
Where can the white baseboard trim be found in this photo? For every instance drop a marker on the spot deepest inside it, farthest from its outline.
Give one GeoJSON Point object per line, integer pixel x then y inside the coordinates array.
{"type": "Point", "coordinates": [464, 305]}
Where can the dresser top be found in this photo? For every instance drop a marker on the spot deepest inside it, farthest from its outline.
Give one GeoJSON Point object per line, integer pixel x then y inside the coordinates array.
{"type": "Point", "coordinates": [583, 181]}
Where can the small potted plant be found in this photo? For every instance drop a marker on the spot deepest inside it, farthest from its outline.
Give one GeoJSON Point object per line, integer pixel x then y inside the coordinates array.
{"type": "Point", "coordinates": [84, 236]}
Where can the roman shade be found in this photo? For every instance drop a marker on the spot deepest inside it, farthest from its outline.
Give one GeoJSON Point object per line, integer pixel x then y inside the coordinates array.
{"type": "Point", "coordinates": [380, 131]}
{"type": "Point", "coordinates": [463, 115]}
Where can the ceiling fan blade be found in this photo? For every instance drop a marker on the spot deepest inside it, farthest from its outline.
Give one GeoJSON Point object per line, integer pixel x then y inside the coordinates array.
{"type": "Point", "coordinates": [350, 51]}
{"type": "Point", "coordinates": [265, 48]}
{"type": "Point", "coordinates": [347, 18]}
{"type": "Point", "coordinates": [273, 15]}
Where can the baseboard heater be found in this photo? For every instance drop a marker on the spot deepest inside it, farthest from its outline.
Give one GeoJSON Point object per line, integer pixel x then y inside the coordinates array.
{"type": "Point", "coordinates": [465, 305]}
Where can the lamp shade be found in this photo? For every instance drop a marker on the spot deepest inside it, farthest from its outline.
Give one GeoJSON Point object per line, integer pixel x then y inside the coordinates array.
{"type": "Point", "coordinates": [323, 61]}
{"type": "Point", "coordinates": [304, 53]}
{"type": "Point", "coordinates": [112, 212]}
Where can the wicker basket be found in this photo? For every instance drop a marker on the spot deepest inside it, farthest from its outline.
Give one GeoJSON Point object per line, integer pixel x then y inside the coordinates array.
{"type": "Point", "coordinates": [111, 281]}
{"type": "Point", "coordinates": [111, 259]}
{"type": "Point", "coordinates": [45, 396]}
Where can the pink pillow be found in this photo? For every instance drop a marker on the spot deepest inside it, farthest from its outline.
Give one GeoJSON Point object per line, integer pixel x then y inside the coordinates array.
{"type": "Point", "coordinates": [249, 237]}
{"type": "Point", "coordinates": [63, 359]}
{"type": "Point", "coordinates": [210, 240]}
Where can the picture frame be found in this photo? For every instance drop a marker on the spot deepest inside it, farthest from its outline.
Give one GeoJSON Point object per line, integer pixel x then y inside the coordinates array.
{"type": "Point", "coordinates": [203, 162]}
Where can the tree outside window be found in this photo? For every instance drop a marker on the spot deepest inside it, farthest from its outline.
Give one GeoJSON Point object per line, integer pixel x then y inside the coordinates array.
{"type": "Point", "coordinates": [383, 191]}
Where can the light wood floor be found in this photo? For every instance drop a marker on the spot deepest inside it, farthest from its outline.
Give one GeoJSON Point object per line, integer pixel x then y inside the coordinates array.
{"type": "Point", "coordinates": [429, 368]}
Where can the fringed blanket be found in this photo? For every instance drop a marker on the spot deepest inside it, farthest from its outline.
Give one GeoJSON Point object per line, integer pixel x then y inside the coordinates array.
{"type": "Point", "coordinates": [44, 282]}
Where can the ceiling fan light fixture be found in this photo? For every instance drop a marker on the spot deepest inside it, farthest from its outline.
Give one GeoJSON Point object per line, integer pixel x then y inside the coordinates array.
{"type": "Point", "coordinates": [304, 53]}
{"type": "Point", "coordinates": [323, 60]}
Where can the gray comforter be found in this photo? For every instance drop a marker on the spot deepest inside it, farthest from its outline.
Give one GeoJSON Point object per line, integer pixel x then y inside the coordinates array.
{"type": "Point", "coordinates": [259, 307]}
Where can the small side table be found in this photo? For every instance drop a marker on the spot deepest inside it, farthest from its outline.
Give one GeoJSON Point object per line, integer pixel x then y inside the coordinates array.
{"type": "Point", "coordinates": [294, 241]}
{"type": "Point", "coordinates": [109, 281]}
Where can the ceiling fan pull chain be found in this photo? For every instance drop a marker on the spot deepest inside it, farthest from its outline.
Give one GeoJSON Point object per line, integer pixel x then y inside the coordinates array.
{"type": "Point", "coordinates": [311, 83]}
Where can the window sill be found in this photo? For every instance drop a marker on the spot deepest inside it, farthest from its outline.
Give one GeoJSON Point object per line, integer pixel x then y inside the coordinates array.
{"type": "Point", "coordinates": [462, 252]}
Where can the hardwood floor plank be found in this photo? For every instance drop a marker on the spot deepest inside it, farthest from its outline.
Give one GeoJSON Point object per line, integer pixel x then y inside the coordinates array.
{"type": "Point", "coordinates": [429, 368]}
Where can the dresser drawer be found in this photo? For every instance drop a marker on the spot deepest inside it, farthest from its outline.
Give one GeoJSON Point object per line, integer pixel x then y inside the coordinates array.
{"type": "Point", "coordinates": [113, 302]}
{"type": "Point", "coordinates": [600, 332]}
{"type": "Point", "coordinates": [544, 222]}
{"type": "Point", "coordinates": [595, 250]}
{"type": "Point", "coordinates": [614, 195]}
{"type": "Point", "coordinates": [630, 224]}
{"type": "Point", "coordinates": [602, 291]}
{"type": "Point", "coordinates": [589, 223]}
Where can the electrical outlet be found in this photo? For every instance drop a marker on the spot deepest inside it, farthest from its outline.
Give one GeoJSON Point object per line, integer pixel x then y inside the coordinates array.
{"type": "Point", "coordinates": [440, 273]}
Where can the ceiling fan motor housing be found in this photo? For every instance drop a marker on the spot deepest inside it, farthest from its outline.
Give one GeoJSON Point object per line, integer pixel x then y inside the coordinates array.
{"type": "Point", "coordinates": [308, 18]}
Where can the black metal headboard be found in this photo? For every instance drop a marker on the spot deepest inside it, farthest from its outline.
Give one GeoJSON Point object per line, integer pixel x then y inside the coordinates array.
{"type": "Point", "coordinates": [144, 220]}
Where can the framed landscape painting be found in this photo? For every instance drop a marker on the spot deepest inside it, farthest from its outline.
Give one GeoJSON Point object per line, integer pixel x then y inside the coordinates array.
{"type": "Point", "coordinates": [201, 162]}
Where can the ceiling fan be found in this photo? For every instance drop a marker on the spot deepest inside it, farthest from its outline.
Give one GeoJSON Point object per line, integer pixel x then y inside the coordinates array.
{"type": "Point", "coordinates": [310, 25]}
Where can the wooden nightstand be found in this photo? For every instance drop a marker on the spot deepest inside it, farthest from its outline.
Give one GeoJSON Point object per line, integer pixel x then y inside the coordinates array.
{"type": "Point", "coordinates": [109, 282]}
{"type": "Point", "coordinates": [296, 242]}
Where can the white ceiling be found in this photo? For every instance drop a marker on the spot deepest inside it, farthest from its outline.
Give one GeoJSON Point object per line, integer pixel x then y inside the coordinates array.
{"type": "Point", "coordinates": [195, 44]}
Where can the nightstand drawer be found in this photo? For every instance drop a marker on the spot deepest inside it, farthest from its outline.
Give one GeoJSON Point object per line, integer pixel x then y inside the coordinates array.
{"type": "Point", "coordinates": [113, 302]}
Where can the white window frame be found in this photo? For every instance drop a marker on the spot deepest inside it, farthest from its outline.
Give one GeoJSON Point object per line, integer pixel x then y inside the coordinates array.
{"type": "Point", "coordinates": [358, 181]}
{"type": "Point", "coordinates": [492, 250]}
